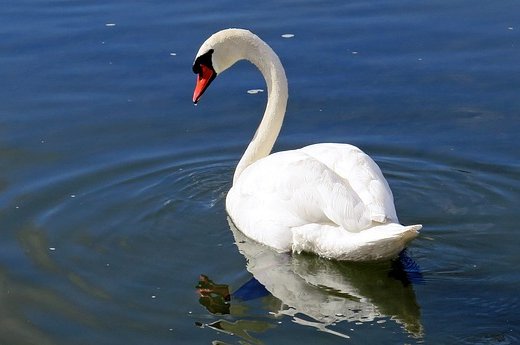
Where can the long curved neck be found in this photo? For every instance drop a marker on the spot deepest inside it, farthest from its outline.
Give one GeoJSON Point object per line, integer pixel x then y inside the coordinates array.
{"type": "Point", "coordinates": [263, 57]}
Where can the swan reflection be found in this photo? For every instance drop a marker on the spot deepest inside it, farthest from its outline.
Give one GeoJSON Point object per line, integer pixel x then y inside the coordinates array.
{"type": "Point", "coordinates": [320, 293]}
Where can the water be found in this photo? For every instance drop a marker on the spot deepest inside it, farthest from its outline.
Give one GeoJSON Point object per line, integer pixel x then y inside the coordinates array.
{"type": "Point", "coordinates": [112, 184]}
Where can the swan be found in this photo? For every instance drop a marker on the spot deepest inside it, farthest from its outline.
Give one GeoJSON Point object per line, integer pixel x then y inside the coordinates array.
{"type": "Point", "coordinates": [328, 199]}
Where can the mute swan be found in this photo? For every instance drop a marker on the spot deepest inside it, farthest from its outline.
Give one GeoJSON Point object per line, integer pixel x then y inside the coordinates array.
{"type": "Point", "coordinates": [328, 199]}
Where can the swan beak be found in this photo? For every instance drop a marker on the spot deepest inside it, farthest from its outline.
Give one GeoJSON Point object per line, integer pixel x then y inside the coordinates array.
{"type": "Point", "coordinates": [204, 78]}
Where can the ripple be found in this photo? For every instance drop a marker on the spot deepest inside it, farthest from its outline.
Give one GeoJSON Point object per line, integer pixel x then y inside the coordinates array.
{"type": "Point", "coordinates": [104, 234]}
{"type": "Point", "coordinates": [465, 207]}
{"type": "Point", "coordinates": [189, 177]}
{"type": "Point", "coordinates": [491, 338]}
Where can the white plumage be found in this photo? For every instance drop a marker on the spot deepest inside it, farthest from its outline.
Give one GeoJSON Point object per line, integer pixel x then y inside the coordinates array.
{"type": "Point", "coordinates": [329, 199]}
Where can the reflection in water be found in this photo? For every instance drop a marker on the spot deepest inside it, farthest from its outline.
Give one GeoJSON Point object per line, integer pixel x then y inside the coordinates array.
{"type": "Point", "coordinates": [24, 306]}
{"type": "Point", "coordinates": [36, 246]}
{"type": "Point", "coordinates": [215, 297]}
{"type": "Point", "coordinates": [321, 293]}
{"type": "Point", "coordinates": [15, 298]}
{"type": "Point", "coordinates": [240, 328]}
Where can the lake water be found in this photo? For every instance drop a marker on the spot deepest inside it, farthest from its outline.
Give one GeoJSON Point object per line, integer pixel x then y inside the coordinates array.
{"type": "Point", "coordinates": [112, 183]}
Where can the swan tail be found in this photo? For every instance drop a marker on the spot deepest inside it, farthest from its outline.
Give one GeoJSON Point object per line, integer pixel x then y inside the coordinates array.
{"type": "Point", "coordinates": [381, 242]}
{"type": "Point", "coordinates": [394, 232]}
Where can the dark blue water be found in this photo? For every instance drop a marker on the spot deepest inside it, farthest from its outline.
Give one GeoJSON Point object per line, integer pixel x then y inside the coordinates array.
{"type": "Point", "coordinates": [112, 183]}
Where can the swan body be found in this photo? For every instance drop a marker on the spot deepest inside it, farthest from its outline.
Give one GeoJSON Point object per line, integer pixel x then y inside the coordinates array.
{"type": "Point", "coordinates": [328, 199]}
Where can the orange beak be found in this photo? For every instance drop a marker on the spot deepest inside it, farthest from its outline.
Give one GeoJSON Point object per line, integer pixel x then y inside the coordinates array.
{"type": "Point", "coordinates": [204, 78]}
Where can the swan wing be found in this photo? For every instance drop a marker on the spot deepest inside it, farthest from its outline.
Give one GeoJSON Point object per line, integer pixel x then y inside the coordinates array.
{"type": "Point", "coordinates": [287, 190]}
{"type": "Point", "coordinates": [363, 175]}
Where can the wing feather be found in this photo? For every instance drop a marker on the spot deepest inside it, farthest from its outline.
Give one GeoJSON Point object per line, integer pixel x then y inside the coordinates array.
{"type": "Point", "coordinates": [292, 188]}
{"type": "Point", "coordinates": [362, 173]}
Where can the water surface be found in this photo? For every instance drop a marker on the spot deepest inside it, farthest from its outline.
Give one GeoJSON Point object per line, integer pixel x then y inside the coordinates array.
{"type": "Point", "coordinates": [112, 184]}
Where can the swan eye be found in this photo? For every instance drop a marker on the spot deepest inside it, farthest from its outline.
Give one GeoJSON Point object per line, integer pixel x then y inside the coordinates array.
{"type": "Point", "coordinates": [204, 59]}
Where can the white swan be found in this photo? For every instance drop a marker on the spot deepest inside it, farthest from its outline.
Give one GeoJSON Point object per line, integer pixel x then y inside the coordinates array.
{"type": "Point", "coordinates": [328, 199]}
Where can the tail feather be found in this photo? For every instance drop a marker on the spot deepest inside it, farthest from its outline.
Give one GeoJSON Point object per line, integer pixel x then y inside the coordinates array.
{"type": "Point", "coordinates": [393, 232]}
{"type": "Point", "coordinates": [380, 242]}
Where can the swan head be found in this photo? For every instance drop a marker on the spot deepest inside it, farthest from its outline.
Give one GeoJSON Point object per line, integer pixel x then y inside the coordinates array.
{"type": "Point", "coordinates": [203, 67]}
{"type": "Point", "coordinates": [219, 52]}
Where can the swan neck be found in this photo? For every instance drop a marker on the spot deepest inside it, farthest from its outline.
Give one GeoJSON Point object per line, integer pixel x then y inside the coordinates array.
{"type": "Point", "coordinates": [266, 60]}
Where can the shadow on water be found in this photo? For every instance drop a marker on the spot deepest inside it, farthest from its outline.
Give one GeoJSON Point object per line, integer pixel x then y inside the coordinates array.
{"type": "Point", "coordinates": [316, 292]}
